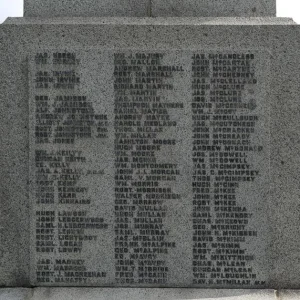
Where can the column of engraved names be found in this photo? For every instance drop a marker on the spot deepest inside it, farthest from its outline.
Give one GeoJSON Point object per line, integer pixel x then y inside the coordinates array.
{"type": "Point", "coordinates": [143, 180]}
{"type": "Point", "coordinates": [224, 119]}
{"type": "Point", "coordinates": [63, 116]}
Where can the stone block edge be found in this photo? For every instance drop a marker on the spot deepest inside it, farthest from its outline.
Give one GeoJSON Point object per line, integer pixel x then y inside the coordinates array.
{"type": "Point", "coordinates": [94, 293]}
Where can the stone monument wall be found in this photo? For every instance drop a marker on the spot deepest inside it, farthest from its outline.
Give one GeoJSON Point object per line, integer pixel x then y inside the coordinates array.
{"type": "Point", "coordinates": [149, 155]}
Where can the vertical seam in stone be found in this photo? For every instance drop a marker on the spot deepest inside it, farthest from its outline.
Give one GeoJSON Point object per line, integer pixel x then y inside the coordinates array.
{"type": "Point", "coordinates": [150, 8]}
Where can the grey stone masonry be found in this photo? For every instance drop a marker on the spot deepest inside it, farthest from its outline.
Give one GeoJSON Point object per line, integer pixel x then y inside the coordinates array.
{"type": "Point", "coordinates": [135, 294]}
{"type": "Point", "coordinates": [156, 152]}
{"type": "Point", "coordinates": [149, 8]}
{"type": "Point", "coordinates": [144, 294]}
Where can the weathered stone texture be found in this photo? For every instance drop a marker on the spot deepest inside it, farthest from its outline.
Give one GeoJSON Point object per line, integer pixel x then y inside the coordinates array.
{"type": "Point", "coordinates": [279, 212]}
{"type": "Point", "coordinates": [149, 8]}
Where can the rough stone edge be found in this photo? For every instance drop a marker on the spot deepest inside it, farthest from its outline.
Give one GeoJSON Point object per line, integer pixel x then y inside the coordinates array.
{"type": "Point", "coordinates": [152, 21]}
{"type": "Point", "coordinates": [145, 294]}
{"type": "Point", "coordinates": [14, 205]}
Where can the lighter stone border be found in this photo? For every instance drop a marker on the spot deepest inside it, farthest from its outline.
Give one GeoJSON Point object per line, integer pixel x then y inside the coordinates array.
{"type": "Point", "coordinates": [144, 294]}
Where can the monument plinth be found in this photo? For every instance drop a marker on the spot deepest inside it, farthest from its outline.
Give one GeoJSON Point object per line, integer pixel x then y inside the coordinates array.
{"type": "Point", "coordinates": [149, 152]}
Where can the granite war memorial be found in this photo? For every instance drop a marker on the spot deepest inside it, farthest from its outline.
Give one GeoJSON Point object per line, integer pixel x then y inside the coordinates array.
{"type": "Point", "coordinates": [150, 144]}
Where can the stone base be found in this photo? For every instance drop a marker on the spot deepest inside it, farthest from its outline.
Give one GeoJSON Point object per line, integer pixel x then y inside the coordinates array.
{"type": "Point", "coordinates": [147, 8]}
{"type": "Point", "coordinates": [144, 294]}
